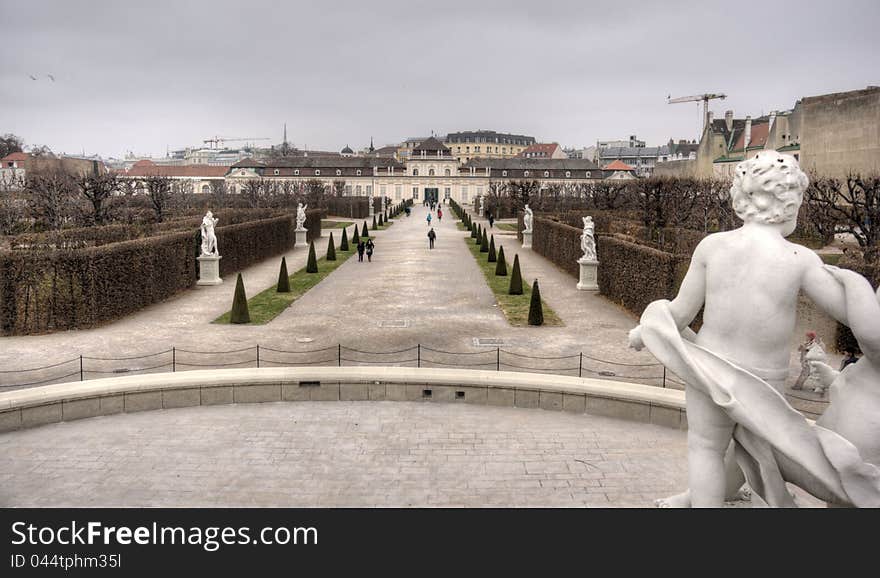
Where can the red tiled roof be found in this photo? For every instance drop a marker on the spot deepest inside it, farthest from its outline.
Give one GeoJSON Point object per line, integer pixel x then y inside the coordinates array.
{"type": "Point", "coordinates": [546, 148]}
{"type": "Point", "coordinates": [618, 165]}
{"type": "Point", "coordinates": [15, 157]}
{"type": "Point", "coordinates": [146, 168]}
{"type": "Point", "coordinates": [760, 132]}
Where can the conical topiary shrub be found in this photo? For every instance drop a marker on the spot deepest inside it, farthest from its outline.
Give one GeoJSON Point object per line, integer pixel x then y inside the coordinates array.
{"type": "Point", "coordinates": [375, 224]}
{"type": "Point", "coordinates": [492, 255]}
{"type": "Point", "coordinates": [355, 239]}
{"type": "Point", "coordinates": [240, 313]}
{"type": "Point", "coordinates": [473, 228]}
{"type": "Point", "coordinates": [381, 219]}
{"type": "Point", "coordinates": [536, 312]}
{"type": "Point", "coordinates": [478, 238]}
{"type": "Point", "coordinates": [312, 265]}
{"type": "Point", "coordinates": [283, 278]}
{"type": "Point", "coordinates": [343, 244]}
{"type": "Point", "coordinates": [484, 243]}
{"type": "Point", "coordinates": [331, 249]}
{"type": "Point", "coordinates": [515, 279]}
{"type": "Point", "coordinates": [364, 232]}
{"type": "Point", "coordinates": [501, 267]}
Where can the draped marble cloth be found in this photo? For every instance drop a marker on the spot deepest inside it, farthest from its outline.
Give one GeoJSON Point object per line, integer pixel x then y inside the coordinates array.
{"type": "Point", "coordinates": [774, 442]}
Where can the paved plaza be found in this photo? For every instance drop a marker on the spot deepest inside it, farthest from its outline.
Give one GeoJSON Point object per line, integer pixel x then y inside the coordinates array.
{"type": "Point", "coordinates": [342, 454]}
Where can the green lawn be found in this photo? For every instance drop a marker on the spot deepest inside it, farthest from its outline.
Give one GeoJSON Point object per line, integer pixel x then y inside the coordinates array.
{"type": "Point", "coordinates": [831, 259]}
{"type": "Point", "coordinates": [266, 306]}
{"type": "Point", "coordinates": [335, 224]}
{"type": "Point", "coordinates": [515, 307]}
{"type": "Point", "coordinates": [506, 226]}
{"type": "Point", "coordinates": [460, 226]}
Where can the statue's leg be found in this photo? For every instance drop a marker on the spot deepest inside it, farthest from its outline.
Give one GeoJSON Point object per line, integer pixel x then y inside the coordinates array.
{"type": "Point", "coordinates": [710, 431]}
{"type": "Point", "coordinates": [734, 485]}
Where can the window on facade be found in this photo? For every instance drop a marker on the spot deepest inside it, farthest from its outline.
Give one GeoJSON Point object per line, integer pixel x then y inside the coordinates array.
{"type": "Point", "coordinates": [415, 192]}
{"type": "Point", "coordinates": [504, 150]}
{"type": "Point", "coordinates": [476, 149]}
{"type": "Point", "coordinates": [525, 173]}
{"type": "Point", "coordinates": [382, 190]}
{"type": "Point", "coordinates": [503, 173]}
{"type": "Point", "coordinates": [358, 172]}
{"type": "Point", "coordinates": [398, 190]}
{"type": "Point", "coordinates": [588, 174]}
{"type": "Point", "coordinates": [348, 190]}
{"type": "Point", "coordinates": [276, 172]}
{"type": "Point", "coordinates": [447, 192]}
{"type": "Point", "coordinates": [447, 172]}
{"type": "Point", "coordinates": [357, 190]}
{"type": "Point", "coordinates": [206, 189]}
{"type": "Point", "coordinates": [567, 174]}
{"type": "Point", "coordinates": [338, 172]}
{"type": "Point", "coordinates": [415, 172]}
{"type": "Point", "coordinates": [296, 172]}
{"type": "Point", "coordinates": [369, 190]}
{"type": "Point", "coordinates": [317, 172]}
{"type": "Point", "coordinates": [430, 172]}
{"type": "Point", "coordinates": [467, 149]}
{"type": "Point", "coordinates": [546, 174]}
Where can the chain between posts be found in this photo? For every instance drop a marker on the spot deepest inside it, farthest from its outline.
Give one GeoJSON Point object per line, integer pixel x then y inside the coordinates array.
{"type": "Point", "coordinates": [258, 356]}
{"type": "Point", "coordinates": [497, 359]}
{"type": "Point", "coordinates": [173, 359]}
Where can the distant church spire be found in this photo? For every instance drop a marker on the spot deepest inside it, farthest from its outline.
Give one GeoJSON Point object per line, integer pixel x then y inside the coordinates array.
{"type": "Point", "coordinates": [371, 144]}
{"type": "Point", "coordinates": [285, 133]}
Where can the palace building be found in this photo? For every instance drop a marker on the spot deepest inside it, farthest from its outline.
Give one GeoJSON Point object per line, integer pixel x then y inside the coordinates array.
{"type": "Point", "coordinates": [431, 172]}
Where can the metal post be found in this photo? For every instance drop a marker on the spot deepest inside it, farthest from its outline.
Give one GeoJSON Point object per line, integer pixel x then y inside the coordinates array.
{"type": "Point", "coordinates": [497, 359]}
{"type": "Point", "coordinates": [581, 365]}
{"type": "Point", "coordinates": [258, 355]}
{"type": "Point", "coordinates": [173, 359]}
{"type": "Point", "coordinates": [339, 356]}
{"type": "Point", "coordinates": [80, 367]}
{"type": "Point", "coordinates": [664, 376]}
{"type": "Point", "coordinates": [419, 356]}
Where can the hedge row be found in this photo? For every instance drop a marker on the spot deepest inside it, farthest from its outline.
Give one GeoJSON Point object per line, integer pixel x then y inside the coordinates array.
{"type": "Point", "coordinates": [352, 207]}
{"type": "Point", "coordinates": [43, 290]}
{"type": "Point", "coordinates": [558, 242]}
{"type": "Point", "coordinates": [634, 275]}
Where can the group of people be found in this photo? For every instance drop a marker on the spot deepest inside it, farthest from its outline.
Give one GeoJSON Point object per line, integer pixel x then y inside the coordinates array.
{"type": "Point", "coordinates": [439, 216]}
{"type": "Point", "coordinates": [367, 248]}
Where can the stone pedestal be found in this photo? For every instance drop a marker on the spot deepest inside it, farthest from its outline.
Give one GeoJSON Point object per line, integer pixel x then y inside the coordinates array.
{"type": "Point", "coordinates": [301, 237]}
{"type": "Point", "coordinates": [589, 280]}
{"type": "Point", "coordinates": [372, 208]}
{"type": "Point", "coordinates": [527, 240]}
{"type": "Point", "coordinates": [209, 270]}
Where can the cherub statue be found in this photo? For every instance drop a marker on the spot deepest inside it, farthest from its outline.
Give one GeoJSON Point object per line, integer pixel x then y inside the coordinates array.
{"type": "Point", "coordinates": [735, 369]}
{"type": "Point", "coordinates": [527, 220]}
{"type": "Point", "coordinates": [300, 216]}
{"type": "Point", "coordinates": [588, 240]}
{"type": "Point", "coordinates": [209, 240]}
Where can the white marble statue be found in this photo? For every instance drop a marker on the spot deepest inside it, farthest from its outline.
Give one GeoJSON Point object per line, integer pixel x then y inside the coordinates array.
{"type": "Point", "coordinates": [527, 220]}
{"type": "Point", "coordinates": [209, 239]}
{"type": "Point", "coordinates": [740, 426]}
{"type": "Point", "coordinates": [300, 216]}
{"type": "Point", "coordinates": [588, 240]}
{"type": "Point", "coordinates": [482, 204]}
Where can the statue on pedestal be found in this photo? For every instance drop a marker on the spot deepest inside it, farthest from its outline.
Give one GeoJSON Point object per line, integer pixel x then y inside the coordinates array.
{"type": "Point", "coordinates": [209, 240]}
{"type": "Point", "coordinates": [588, 240]}
{"type": "Point", "coordinates": [300, 216]}
{"type": "Point", "coordinates": [527, 220]}
{"type": "Point", "coordinates": [740, 425]}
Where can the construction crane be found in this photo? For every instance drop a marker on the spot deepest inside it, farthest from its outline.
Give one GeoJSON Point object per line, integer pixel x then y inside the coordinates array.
{"type": "Point", "coordinates": [697, 98]}
{"type": "Point", "coordinates": [218, 141]}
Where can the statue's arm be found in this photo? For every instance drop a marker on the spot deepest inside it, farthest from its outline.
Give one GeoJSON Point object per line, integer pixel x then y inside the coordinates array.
{"type": "Point", "coordinates": [692, 293]}
{"type": "Point", "coordinates": [824, 290]}
{"type": "Point", "coordinates": [863, 310]}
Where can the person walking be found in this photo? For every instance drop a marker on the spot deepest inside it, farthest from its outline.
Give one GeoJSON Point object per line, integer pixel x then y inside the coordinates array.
{"type": "Point", "coordinates": [361, 247]}
{"type": "Point", "coordinates": [439, 215]}
{"type": "Point", "coordinates": [428, 218]}
{"type": "Point", "coordinates": [491, 220]}
{"type": "Point", "coordinates": [369, 248]}
{"type": "Point", "coordinates": [431, 236]}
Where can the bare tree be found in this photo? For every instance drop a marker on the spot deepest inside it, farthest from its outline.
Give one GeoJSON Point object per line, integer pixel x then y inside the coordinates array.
{"type": "Point", "coordinates": [10, 143]}
{"type": "Point", "coordinates": [99, 191]}
{"type": "Point", "coordinates": [159, 191]}
{"type": "Point", "coordinates": [50, 198]}
{"type": "Point", "coordinates": [855, 207]}
{"type": "Point", "coordinates": [338, 188]}
{"type": "Point", "coordinates": [219, 194]}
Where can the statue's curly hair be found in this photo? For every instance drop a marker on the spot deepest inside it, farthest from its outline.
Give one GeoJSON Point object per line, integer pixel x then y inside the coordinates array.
{"type": "Point", "coordinates": [768, 188]}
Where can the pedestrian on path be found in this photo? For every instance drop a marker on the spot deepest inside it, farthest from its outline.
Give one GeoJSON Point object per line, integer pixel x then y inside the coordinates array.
{"type": "Point", "coordinates": [431, 236]}
{"type": "Point", "coordinates": [407, 211]}
{"type": "Point", "coordinates": [439, 215]}
{"type": "Point", "coordinates": [491, 220]}
{"type": "Point", "coordinates": [428, 218]}
{"type": "Point", "coordinates": [369, 248]}
{"type": "Point", "coordinates": [361, 247]}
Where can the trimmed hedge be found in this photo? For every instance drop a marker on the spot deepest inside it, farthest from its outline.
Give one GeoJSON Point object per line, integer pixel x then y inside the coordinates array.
{"type": "Point", "coordinates": [47, 290]}
{"type": "Point", "coordinates": [352, 207]}
{"type": "Point", "coordinates": [634, 275]}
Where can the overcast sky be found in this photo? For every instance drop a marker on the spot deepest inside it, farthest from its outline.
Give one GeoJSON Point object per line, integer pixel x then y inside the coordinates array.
{"type": "Point", "coordinates": [149, 75]}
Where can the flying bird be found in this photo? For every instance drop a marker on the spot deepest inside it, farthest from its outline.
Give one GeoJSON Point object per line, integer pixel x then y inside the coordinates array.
{"type": "Point", "coordinates": [32, 76]}
{"type": "Point", "coordinates": [52, 78]}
